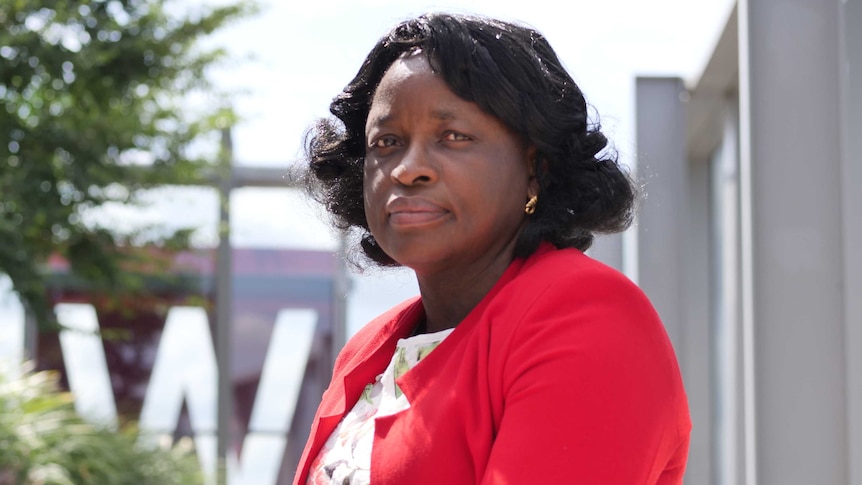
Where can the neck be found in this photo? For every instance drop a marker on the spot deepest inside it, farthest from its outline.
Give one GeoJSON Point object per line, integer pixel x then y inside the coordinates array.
{"type": "Point", "coordinates": [449, 298]}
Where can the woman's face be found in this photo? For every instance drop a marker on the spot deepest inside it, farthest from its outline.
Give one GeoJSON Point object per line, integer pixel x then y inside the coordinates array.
{"type": "Point", "coordinates": [445, 182]}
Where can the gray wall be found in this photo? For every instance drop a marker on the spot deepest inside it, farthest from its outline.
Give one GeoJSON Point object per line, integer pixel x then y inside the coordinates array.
{"type": "Point", "coordinates": [773, 368]}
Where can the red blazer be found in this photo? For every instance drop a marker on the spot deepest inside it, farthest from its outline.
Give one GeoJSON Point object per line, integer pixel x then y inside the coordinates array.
{"type": "Point", "coordinates": [563, 373]}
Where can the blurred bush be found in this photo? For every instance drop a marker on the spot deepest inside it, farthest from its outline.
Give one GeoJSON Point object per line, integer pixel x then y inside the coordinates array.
{"type": "Point", "coordinates": [44, 442]}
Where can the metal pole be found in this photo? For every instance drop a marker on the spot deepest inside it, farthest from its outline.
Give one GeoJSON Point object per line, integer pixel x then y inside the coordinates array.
{"type": "Point", "coordinates": [341, 288]}
{"type": "Point", "coordinates": [223, 313]}
{"type": "Point", "coordinates": [31, 335]}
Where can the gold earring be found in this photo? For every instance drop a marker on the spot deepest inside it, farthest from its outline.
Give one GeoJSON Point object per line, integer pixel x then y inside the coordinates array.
{"type": "Point", "coordinates": [530, 208]}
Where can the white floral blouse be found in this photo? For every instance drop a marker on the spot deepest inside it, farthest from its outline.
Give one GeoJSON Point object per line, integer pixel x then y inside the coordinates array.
{"type": "Point", "coordinates": [345, 458]}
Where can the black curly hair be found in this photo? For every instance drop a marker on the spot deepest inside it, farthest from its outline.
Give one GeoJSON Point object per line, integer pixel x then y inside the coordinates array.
{"type": "Point", "coordinates": [511, 72]}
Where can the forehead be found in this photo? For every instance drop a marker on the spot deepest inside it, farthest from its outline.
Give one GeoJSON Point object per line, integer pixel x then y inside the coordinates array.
{"type": "Point", "coordinates": [409, 64]}
{"type": "Point", "coordinates": [411, 88]}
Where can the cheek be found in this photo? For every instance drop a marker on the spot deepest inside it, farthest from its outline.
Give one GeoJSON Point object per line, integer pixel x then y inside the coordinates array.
{"type": "Point", "coordinates": [372, 184]}
{"type": "Point", "coordinates": [508, 179]}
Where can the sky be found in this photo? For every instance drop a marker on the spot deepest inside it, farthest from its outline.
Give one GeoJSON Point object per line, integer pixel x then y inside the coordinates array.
{"type": "Point", "coordinates": [300, 54]}
{"type": "Point", "coordinates": [289, 60]}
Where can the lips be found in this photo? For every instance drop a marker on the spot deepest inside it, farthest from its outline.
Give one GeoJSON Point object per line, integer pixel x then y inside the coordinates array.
{"type": "Point", "coordinates": [412, 211]}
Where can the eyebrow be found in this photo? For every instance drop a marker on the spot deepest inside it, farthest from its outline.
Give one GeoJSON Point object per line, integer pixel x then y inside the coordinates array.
{"type": "Point", "coordinates": [443, 115]}
{"type": "Point", "coordinates": [438, 114]}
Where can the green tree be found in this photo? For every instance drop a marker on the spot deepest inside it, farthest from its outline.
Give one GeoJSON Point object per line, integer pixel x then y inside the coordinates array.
{"type": "Point", "coordinates": [93, 91]}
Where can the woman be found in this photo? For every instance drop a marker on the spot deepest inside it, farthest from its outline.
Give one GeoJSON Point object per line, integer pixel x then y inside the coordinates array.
{"type": "Point", "coordinates": [463, 151]}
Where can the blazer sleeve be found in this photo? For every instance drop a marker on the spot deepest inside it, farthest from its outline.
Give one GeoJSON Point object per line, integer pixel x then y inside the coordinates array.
{"type": "Point", "coordinates": [592, 392]}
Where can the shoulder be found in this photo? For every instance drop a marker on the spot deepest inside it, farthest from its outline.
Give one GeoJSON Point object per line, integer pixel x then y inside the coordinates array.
{"type": "Point", "coordinates": [580, 321]}
{"type": "Point", "coordinates": [569, 280]}
{"type": "Point", "coordinates": [564, 301]}
{"type": "Point", "coordinates": [570, 266]}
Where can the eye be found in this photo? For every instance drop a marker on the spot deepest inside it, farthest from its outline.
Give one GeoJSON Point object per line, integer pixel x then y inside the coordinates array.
{"type": "Point", "coordinates": [455, 136]}
{"type": "Point", "coordinates": [385, 141]}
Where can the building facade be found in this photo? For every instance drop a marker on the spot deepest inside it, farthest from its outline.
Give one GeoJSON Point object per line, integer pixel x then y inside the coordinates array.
{"type": "Point", "coordinates": [750, 242]}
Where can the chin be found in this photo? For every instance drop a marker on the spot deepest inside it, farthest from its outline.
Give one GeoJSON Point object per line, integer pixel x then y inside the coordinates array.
{"type": "Point", "coordinates": [423, 261]}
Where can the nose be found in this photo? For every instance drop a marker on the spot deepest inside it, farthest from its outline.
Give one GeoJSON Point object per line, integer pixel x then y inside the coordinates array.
{"type": "Point", "coordinates": [414, 168]}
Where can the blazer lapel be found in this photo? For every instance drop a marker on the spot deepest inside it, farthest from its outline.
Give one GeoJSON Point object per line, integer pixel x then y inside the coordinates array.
{"type": "Point", "coordinates": [376, 345]}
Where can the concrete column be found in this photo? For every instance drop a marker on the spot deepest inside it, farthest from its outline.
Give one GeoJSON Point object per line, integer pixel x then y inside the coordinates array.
{"type": "Point", "coordinates": [851, 190]}
{"type": "Point", "coordinates": [793, 294]}
{"type": "Point", "coordinates": [673, 248]}
{"type": "Point", "coordinates": [662, 167]}
{"type": "Point", "coordinates": [728, 427]}
{"type": "Point", "coordinates": [696, 330]}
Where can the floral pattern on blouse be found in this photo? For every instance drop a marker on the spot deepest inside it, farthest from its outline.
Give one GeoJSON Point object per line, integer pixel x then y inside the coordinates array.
{"type": "Point", "coordinates": [345, 458]}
